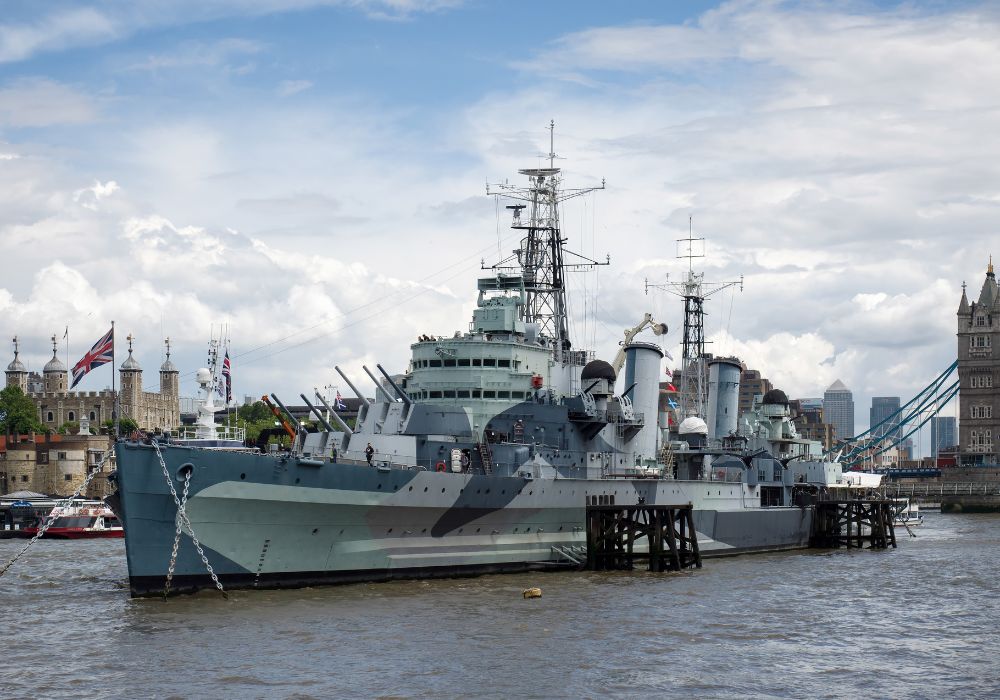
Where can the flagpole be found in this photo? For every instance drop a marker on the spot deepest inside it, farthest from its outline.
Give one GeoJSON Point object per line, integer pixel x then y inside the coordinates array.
{"type": "Point", "coordinates": [114, 391]}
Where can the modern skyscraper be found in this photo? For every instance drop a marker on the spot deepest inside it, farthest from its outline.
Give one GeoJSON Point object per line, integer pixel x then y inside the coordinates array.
{"type": "Point", "coordinates": [942, 433]}
{"type": "Point", "coordinates": [838, 408]}
{"type": "Point", "coordinates": [882, 408]}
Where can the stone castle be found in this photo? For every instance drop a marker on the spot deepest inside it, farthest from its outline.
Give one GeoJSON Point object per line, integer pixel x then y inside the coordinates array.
{"type": "Point", "coordinates": [57, 405]}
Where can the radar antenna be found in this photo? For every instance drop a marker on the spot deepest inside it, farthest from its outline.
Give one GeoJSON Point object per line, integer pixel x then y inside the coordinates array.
{"type": "Point", "coordinates": [694, 290]}
{"type": "Point", "coordinates": [540, 259]}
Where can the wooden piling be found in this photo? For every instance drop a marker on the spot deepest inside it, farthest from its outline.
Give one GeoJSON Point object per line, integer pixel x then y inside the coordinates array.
{"type": "Point", "coordinates": [854, 523]}
{"type": "Point", "coordinates": [612, 533]}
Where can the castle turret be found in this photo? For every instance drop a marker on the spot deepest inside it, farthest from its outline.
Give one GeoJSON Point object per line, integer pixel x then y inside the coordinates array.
{"type": "Point", "coordinates": [131, 381]}
{"type": "Point", "coordinates": [56, 376]}
{"type": "Point", "coordinates": [17, 373]}
{"type": "Point", "coordinates": [169, 383]}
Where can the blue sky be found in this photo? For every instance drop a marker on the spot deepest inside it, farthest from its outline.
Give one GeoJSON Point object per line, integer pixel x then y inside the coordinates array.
{"type": "Point", "coordinates": [289, 165]}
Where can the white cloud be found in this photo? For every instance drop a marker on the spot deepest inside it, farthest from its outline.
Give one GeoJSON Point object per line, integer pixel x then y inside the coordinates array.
{"type": "Point", "coordinates": [287, 88]}
{"type": "Point", "coordinates": [841, 160]}
{"type": "Point", "coordinates": [39, 102]}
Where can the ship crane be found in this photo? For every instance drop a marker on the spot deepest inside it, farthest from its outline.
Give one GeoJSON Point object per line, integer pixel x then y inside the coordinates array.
{"type": "Point", "coordinates": [647, 322]}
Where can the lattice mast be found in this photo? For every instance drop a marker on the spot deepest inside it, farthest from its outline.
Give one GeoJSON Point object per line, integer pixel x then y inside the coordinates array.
{"type": "Point", "coordinates": [694, 290]}
{"type": "Point", "coordinates": [540, 259]}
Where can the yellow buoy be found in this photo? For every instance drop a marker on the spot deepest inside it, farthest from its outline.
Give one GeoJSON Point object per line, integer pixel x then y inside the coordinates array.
{"type": "Point", "coordinates": [532, 593]}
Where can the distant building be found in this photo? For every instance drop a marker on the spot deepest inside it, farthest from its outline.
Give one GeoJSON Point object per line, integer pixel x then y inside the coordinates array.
{"type": "Point", "coordinates": [882, 408]}
{"type": "Point", "coordinates": [810, 421]}
{"type": "Point", "coordinates": [838, 407]}
{"type": "Point", "coordinates": [979, 400]}
{"type": "Point", "coordinates": [57, 405]}
{"type": "Point", "coordinates": [55, 465]}
{"type": "Point", "coordinates": [943, 434]}
{"type": "Point", "coordinates": [752, 384]}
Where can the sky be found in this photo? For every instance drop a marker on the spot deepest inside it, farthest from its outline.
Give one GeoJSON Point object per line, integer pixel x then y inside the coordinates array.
{"type": "Point", "coordinates": [312, 176]}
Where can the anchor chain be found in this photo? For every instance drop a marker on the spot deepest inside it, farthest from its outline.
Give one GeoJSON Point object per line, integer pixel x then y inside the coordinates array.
{"type": "Point", "coordinates": [183, 522]}
{"type": "Point", "coordinates": [51, 518]}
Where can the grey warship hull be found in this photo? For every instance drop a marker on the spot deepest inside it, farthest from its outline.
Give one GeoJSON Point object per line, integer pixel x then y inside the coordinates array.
{"type": "Point", "coordinates": [279, 521]}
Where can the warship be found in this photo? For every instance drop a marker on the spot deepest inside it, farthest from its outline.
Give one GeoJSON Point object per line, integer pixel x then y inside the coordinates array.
{"type": "Point", "coordinates": [480, 458]}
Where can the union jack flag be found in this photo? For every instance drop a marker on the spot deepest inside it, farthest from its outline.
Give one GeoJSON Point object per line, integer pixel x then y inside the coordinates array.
{"type": "Point", "coordinates": [227, 372]}
{"type": "Point", "coordinates": [339, 403]}
{"type": "Point", "coordinates": [100, 354]}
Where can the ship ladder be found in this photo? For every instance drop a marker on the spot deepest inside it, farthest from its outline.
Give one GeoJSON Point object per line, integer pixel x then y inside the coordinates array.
{"type": "Point", "coordinates": [484, 455]}
{"type": "Point", "coordinates": [577, 555]}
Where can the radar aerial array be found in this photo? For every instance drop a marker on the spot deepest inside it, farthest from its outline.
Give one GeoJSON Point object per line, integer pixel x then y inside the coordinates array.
{"type": "Point", "coordinates": [694, 290]}
{"type": "Point", "coordinates": [541, 257]}
{"type": "Point", "coordinates": [899, 426]}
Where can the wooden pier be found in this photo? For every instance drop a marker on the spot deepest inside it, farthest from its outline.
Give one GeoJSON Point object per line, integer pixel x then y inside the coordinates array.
{"type": "Point", "coordinates": [854, 524]}
{"type": "Point", "coordinates": [613, 531]}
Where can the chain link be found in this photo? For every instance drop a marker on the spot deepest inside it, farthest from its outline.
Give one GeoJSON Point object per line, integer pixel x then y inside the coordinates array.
{"type": "Point", "coordinates": [51, 518]}
{"type": "Point", "coordinates": [183, 522]}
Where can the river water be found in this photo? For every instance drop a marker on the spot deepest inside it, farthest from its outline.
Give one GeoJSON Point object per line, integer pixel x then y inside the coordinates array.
{"type": "Point", "coordinates": [921, 621]}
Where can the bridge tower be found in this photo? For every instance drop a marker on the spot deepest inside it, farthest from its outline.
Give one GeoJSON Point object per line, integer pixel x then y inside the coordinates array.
{"type": "Point", "coordinates": [979, 373]}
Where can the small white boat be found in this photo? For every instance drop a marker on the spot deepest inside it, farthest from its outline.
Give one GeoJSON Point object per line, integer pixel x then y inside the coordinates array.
{"type": "Point", "coordinates": [907, 512]}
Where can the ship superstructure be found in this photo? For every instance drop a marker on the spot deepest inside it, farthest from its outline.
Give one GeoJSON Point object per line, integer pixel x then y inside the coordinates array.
{"type": "Point", "coordinates": [482, 456]}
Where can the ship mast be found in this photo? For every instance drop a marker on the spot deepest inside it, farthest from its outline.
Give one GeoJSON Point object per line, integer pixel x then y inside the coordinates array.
{"type": "Point", "coordinates": [541, 255]}
{"type": "Point", "coordinates": [694, 290]}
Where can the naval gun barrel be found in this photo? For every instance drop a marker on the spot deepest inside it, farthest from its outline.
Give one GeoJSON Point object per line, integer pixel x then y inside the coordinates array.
{"type": "Point", "coordinates": [378, 387]}
{"type": "Point", "coordinates": [326, 424]}
{"type": "Point", "coordinates": [333, 414]}
{"type": "Point", "coordinates": [402, 394]}
{"type": "Point", "coordinates": [350, 384]}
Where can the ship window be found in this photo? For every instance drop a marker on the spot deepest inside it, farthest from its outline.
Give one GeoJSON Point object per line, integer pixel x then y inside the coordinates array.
{"type": "Point", "coordinates": [503, 363]}
{"type": "Point", "coordinates": [450, 394]}
{"type": "Point", "coordinates": [503, 394]}
{"type": "Point", "coordinates": [517, 394]}
{"type": "Point", "coordinates": [449, 363]}
{"type": "Point", "coordinates": [464, 362]}
{"type": "Point", "coordinates": [489, 394]}
{"type": "Point", "coordinates": [464, 395]}
{"type": "Point", "coordinates": [477, 394]}
{"type": "Point", "coordinates": [489, 362]}
{"type": "Point", "coordinates": [435, 363]}
{"type": "Point", "coordinates": [435, 394]}
{"type": "Point", "coordinates": [477, 363]}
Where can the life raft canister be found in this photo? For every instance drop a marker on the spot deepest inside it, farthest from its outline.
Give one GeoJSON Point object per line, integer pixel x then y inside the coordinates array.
{"type": "Point", "coordinates": [440, 466]}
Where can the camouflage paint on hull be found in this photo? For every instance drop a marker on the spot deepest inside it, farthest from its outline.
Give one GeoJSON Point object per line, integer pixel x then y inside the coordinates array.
{"type": "Point", "coordinates": [276, 521]}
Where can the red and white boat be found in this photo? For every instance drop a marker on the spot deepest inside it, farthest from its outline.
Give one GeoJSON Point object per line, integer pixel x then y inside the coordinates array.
{"type": "Point", "coordinates": [81, 520]}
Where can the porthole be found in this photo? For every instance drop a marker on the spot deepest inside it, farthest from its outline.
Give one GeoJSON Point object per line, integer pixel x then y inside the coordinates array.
{"type": "Point", "coordinates": [425, 489]}
{"type": "Point", "coordinates": [243, 476]}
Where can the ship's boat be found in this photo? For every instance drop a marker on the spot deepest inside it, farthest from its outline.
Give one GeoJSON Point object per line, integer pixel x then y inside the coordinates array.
{"type": "Point", "coordinates": [481, 457]}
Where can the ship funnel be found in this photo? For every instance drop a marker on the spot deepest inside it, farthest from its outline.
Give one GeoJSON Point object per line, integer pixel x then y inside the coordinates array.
{"type": "Point", "coordinates": [642, 371]}
{"type": "Point", "coordinates": [723, 397]}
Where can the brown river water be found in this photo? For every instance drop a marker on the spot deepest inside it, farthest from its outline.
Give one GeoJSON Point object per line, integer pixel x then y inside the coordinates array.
{"type": "Point", "coordinates": [921, 621]}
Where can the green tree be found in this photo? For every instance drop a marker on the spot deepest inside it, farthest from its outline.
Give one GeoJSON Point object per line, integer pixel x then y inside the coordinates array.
{"type": "Point", "coordinates": [125, 425]}
{"type": "Point", "coordinates": [70, 427]}
{"type": "Point", "coordinates": [18, 413]}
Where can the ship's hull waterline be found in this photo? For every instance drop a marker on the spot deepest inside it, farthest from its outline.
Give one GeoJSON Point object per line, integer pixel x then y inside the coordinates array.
{"type": "Point", "coordinates": [270, 521]}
